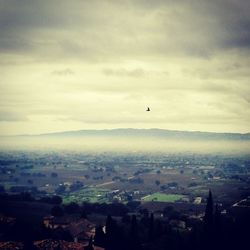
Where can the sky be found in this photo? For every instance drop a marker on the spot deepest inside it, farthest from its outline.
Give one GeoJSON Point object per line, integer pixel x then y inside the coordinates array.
{"type": "Point", "coordinates": [71, 65]}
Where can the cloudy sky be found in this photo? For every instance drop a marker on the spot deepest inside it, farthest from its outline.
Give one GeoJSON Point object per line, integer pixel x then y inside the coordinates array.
{"type": "Point", "coordinates": [78, 64]}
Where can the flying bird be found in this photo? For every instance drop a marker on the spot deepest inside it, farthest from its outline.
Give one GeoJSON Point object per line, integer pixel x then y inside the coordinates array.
{"type": "Point", "coordinates": [148, 109]}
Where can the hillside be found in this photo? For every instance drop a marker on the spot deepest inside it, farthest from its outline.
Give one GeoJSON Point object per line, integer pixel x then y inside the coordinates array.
{"type": "Point", "coordinates": [161, 133]}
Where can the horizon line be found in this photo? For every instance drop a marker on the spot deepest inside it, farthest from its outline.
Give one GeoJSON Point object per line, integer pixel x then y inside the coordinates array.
{"type": "Point", "coordinates": [126, 128]}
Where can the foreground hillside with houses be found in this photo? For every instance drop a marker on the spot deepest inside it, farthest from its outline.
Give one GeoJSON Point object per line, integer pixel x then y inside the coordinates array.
{"type": "Point", "coordinates": [148, 225]}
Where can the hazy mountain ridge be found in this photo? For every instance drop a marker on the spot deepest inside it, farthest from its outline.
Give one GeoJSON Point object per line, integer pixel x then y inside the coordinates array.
{"type": "Point", "coordinates": [159, 133]}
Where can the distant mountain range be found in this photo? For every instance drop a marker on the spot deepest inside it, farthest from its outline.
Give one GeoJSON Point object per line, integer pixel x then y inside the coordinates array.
{"type": "Point", "coordinates": [157, 133]}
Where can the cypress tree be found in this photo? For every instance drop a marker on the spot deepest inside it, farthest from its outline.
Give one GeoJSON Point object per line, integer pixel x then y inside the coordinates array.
{"type": "Point", "coordinates": [217, 227]}
{"type": "Point", "coordinates": [151, 229]}
{"type": "Point", "coordinates": [90, 245]}
{"type": "Point", "coordinates": [134, 239]}
{"type": "Point", "coordinates": [217, 217]}
{"type": "Point", "coordinates": [208, 220]}
{"type": "Point", "coordinates": [109, 232]}
{"type": "Point", "coordinates": [99, 238]}
{"type": "Point", "coordinates": [112, 234]}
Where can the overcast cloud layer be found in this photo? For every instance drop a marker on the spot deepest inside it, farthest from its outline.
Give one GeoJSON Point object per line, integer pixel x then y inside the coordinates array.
{"type": "Point", "coordinates": [68, 65]}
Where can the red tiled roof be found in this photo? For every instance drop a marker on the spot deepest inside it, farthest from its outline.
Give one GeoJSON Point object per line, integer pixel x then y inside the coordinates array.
{"type": "Point", "coordinates": [47, 244]}
{"type": "Point", "coordinates": [50, 244]}
{"type": "Point", "coordinates": [11, 245]}
{"type": "Point", "coordinates": [83, 226]}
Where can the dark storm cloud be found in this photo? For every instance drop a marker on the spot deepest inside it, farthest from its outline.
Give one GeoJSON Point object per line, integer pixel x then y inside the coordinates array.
{"type": "Point", "coordinates": [26, 14]}
{"type": "Point", "coordinates": [240, 35]}
{"type": "Point", "coordinates": [106, 29]}
{"type": "Point", "coordinates": [234, 19]}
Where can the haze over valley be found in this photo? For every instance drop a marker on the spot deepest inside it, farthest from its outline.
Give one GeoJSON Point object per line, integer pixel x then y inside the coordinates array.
{"type": "Point", "coordinates": [129, 140]}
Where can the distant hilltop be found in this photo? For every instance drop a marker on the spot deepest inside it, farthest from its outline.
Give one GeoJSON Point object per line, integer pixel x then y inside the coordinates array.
{"type": "Point", "coordinates": [157, 133]}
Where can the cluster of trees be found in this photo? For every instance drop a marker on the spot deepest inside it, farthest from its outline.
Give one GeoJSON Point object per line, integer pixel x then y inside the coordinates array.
{"type": "Point", "coordinates": [54, 175]}
{"type": "Point", "coordinates": [116, 209]}
{"type": "Point", "coordinates": [136, 180]}
{"type": "Point", "coordinates": [216, 231]}
{"type": "Point", "coordinates": [27, 196]}
{"type": "Point", "coordinates": [142, 233]}
{"type": "Point", "coordinates": [125, 235]}
{"type": "Point", "coordinates": [2, 189]}
{"type": "Point", "coordinates": [169, 185]}
{"type": "Point", "coordinates": [142, 171]}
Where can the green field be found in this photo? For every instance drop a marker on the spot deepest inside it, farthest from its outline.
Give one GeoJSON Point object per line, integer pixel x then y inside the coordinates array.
{"type": "Point", "coordinates": [87, 194]}
{"type": "Point", "coordinates": [163, 197]}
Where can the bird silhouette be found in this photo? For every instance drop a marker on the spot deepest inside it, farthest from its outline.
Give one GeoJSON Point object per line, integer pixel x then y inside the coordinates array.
{"type": "Point", "coordinates": [148, 109]}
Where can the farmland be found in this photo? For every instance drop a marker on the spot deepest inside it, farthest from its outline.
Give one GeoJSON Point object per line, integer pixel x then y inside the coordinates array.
{"type": "Point", "coordinates": [87, 195]}
{"type": "Point", "coordinates": [119, 177]}
{"type": "Point", "coordinates": [162, 197]}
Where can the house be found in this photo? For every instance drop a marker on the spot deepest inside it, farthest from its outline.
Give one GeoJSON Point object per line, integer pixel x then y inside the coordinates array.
{"type": "Point", "coordinates": [8, 221]}
{"type": "Point", "coordinates": [47, 221]}
{"type": "Point", "coordinates": [197, 200]}
{"type": "Point", "coordinates": [58, 244]}
{"type": "Point", "coordinates": [178, 224]}
{"type": "Point", "coordinates": [61, 244]}
{"type": "Point", "coordinates": [80, 229]}
{"type": "Point", "coordinates": [62, 221]}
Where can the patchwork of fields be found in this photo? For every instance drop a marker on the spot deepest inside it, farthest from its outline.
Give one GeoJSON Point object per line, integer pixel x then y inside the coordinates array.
{"type": "Point", "coordinates": [163, 197]}
{"type": "Point", "coordinates": [102, 196]}
{"type": "Point", "coordinates": [87, 195]}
